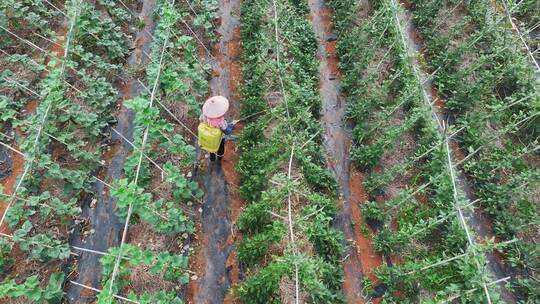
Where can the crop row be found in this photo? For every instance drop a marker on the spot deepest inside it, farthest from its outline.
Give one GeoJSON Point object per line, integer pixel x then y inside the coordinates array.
{"type": "Point", "coordinates": [491, 90]}
{"type": "Point", "coordinates": [415, 205]}
{"type": "Point", "coordinates": [157, 188]}
{"type": "Point", "coordinates": [393, 132]}
{"type": "Point", "coordinates": [289, 247]}
{"type": "Point", "coordinates": [62, 140]}
{"type": "Point", "coordinates": [52, 62]}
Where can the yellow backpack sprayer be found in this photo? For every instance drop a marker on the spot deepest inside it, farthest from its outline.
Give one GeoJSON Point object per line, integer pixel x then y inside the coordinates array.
{"type": "Point", "coordinates": [209, 137]}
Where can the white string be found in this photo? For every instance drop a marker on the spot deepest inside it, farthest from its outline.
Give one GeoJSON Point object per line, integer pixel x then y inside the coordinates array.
{"type": "Point", "coordinates": [145, 137]}
{"type": "Point", "coordinates": [43, 120]}
{"type": "Point", "coordinates": [12, 149]}
{"type": "Point", "coordinates": [138, 149]}
{"type": "Point", "coordinates": [514, 26]}
{"type": "Point", "coordinates": [278, 63]}
{"type": "Point", "coordinates": [99, 290]}
{"type": "Point", "coordinates": [457, 257]}
{"type": "Point", "coordinates": [475, 289]}
{"type": "Point", "coordinates": [442, 130]}
{"type": "Point", "coordinates": [534, 27]}
{"type": "Point", "coordinates": [282, 86]}
{"type": "Point", "coordinates": [24, 40]}
{"type": "Point", "coordinates": [114, 130]}
{"type": "Point", "coordinates": [291, 231]}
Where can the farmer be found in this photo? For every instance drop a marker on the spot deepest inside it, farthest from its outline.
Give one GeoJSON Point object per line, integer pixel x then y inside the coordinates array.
{"type": "Point", "coordinates": [213, 119]}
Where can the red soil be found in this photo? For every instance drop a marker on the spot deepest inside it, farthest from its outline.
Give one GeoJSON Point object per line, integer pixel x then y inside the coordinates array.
{"type": "Point", "coordinates": [330, 46]}
{"type": "Point", "coordinates": [230, 160]}
{"type": "Point", "coordinates": [9, 184]}
{"type": "Point", "coordinates": [370, 260]}
{"type": "Point", "coordinates": [17, 160]}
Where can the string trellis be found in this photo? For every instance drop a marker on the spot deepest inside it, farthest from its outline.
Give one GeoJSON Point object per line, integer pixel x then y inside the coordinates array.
{"type": "Point", "coordinates": [442, 129]}
{"type": "Point", "coordinates": [72, 21]}
{"type": "Point", "coordinates": [44, 117]}
{"type": "Point", "coordinates": [138, 170]}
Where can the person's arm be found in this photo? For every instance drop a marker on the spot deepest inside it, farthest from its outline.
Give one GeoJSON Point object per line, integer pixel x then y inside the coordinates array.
{"type": "Point", "coordinates": [227, 128]}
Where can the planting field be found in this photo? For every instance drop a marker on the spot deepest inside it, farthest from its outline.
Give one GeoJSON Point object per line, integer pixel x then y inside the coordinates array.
{"type": "Point", "coordinates": [387, 151]}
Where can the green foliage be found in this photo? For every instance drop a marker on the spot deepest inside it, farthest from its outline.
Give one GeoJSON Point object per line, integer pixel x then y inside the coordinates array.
{"type": "Point", "coordinates": [161, 297]}
{"type": "Point", "coordinates": [255, 164]}
{"type": "Point", "coordinates": [116, 10]}
{"type": "Point", "coordinates": [6, 260]}
{"type": "Point", "coordinates": [256, 217]}
{"type": "Point", "coordinates": [317, 223]}
{"type": "Point", "coordinates": [31, 290]}
{"type": "Point", "coordinates": [42, 247]}
{"type": "Point", "coordinates": [263, 286]}
{"type": "Point", "coordinates": [168, 266]}
{"type": "Point", "coordinates": [290, 118]}
{"type": "Point", "coordinates": [251, 250]}
{"type": "Point", "coordinates": [185, 81]}
{"type": "Point", "coordinates": [206, 14]}
{"type": "Point", "coordinates": [183, 188]}
{"type": "Point", "coordinates": [386, 242]}
{"type": "Point", "coordinates": [165, 217]}
{"type": "Point", "coordinates": [373, 210]}
{"type": "Point", "coordinates": [100, 34]}
{"type": "Point", "coordinates": [322, 280]}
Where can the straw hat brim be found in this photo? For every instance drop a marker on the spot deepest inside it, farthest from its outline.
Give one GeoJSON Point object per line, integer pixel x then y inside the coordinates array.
{"type": "Point", "coordinates": [215, 107]}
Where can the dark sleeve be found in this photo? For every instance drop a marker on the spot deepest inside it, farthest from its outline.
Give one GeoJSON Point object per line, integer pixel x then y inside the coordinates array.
{"type": "Point", "coordinates": [229, 129]}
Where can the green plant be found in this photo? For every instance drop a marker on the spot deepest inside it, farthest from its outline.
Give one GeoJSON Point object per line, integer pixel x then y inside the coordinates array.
{"type": "Point", "coordinates": [169, 266]}
{"type": "Point", "coordinates": [31, 290]}
{"type": "Point", "coordinates": [251, 250]}
{"type": "Point", "coordinates": [262, 286]}
{"type": "Point", "coordinates": [166, 217]}
{"type": "Point", "coordinates": [291, 108]}
{"type": "Point", "coordinates": [6, 260]}
{"type": "Point", "coordinates": [373, 210]}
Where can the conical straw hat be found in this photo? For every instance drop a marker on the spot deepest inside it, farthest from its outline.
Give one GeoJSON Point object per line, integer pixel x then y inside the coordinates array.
{"type": "Point", "coordinates": [215, 106]}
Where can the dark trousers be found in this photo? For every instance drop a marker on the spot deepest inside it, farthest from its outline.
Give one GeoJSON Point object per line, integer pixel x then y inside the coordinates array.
{"type": "Point", "coordinates": [220, 151]}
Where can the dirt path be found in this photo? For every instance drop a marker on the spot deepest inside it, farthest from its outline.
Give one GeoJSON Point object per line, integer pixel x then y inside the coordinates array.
{"type": "Point", "coordinates": [361, 258]}
{"type": "Point", "coordinates": [216, 260]}
{"type": "Point", "coordinates": [476, 220]}
{"type": "Point", "coordinates": [99, 212]}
